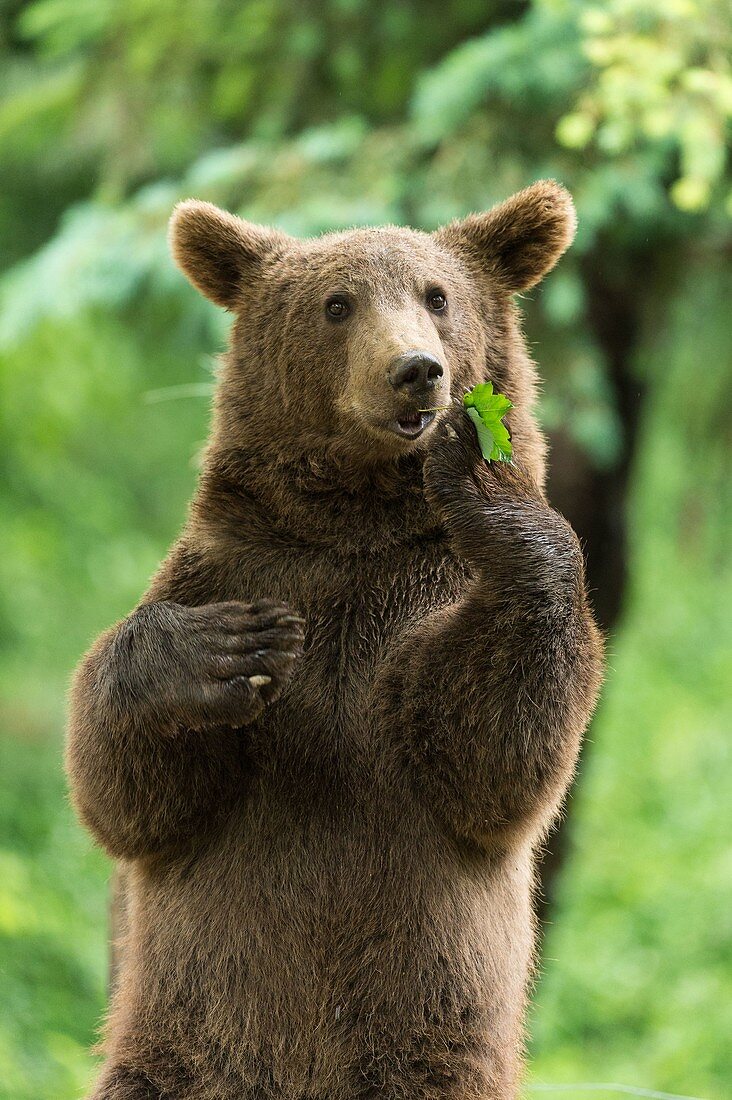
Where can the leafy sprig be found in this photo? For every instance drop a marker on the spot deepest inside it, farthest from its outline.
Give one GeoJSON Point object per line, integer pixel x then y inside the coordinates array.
{"type": "Point", "coordinates": [486, 409]}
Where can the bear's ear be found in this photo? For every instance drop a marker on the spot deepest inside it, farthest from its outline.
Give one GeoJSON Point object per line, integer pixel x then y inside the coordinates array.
{"type": "Point", "coordinates": [521, 239]}
{"type": "Point", "coordinates": [218, 252]}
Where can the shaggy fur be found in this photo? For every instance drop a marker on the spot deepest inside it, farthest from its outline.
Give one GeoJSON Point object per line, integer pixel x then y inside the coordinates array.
{"type": "Point", "coordinates": [326, 744]}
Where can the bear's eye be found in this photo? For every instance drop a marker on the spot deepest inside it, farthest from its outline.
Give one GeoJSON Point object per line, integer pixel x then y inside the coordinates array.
{"type": "Point", "coordinates": [436, 301]}
{"type": "Point", "coordinates": [337, 308]}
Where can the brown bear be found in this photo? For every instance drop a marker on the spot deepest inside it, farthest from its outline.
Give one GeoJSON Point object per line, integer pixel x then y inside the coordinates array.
{"type": "Point", "coordinates": [326, 744]}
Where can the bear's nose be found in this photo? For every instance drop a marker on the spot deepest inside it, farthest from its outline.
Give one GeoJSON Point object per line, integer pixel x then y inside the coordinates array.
{"type": "Point", "coordinates": [415, 371]}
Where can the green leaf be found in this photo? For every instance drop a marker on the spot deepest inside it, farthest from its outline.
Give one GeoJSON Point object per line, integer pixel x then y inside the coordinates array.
{"type": "Point", "coordinates": [486, 409]}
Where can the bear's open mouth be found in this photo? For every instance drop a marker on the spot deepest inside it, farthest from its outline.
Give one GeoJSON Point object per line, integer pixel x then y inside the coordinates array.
{"type": "Point", "coordinates": [412, 424]}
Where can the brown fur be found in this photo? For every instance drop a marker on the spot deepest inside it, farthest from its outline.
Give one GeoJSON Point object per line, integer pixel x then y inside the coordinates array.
{"type": "Point", "coordinates": [329, 872]}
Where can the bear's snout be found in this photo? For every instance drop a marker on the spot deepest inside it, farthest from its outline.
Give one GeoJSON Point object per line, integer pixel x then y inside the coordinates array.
{"type": "Point", "coordinates": [415, 372]}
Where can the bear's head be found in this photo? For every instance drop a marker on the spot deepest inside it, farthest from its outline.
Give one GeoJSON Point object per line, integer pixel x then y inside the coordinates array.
{"type": "Point", "coordinates": [351, 344]}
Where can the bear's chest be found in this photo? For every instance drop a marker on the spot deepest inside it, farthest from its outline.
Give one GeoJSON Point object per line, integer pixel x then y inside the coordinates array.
{"type": "Point", "coordinates": [366, 609]}
{"type": "Point", "coordinates": [324, 732]}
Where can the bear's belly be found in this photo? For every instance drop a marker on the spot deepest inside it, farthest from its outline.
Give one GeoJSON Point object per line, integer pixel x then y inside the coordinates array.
{"type": "Point", "coordinates": [341, 958]}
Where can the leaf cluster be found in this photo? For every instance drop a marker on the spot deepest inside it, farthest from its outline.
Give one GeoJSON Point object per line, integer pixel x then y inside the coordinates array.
{"type": "Point", "coordinates": [486, 409]}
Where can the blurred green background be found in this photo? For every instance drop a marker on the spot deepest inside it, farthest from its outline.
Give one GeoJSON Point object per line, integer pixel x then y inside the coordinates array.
{"type": "Point", "coordinates": [315, 116]}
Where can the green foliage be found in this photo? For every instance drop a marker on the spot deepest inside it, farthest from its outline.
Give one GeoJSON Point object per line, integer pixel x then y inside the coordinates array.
{"type": "Point", "coordinates": [52, 920]}
{"type": "Point", "coordinates": [359, 114]}
{"type": "Point", "coordinates": [83, 522]}
{"type": "Point", "coordinates": [486, 409]}
{"type": "Point", "coordinates": [140, 89]}
{"type": "Point", "coordinates": [638, 976]}
{"type": "Point", "coordinates": [661, 74]}
{"type": "Point", "coordinates": [536, 61]}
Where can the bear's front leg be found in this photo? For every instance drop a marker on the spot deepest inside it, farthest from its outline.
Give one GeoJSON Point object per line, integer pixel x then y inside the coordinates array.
{"type": "Point", "coordinates": [489, 697]}
{"type": "Point", "coordinates": [153, 750]}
